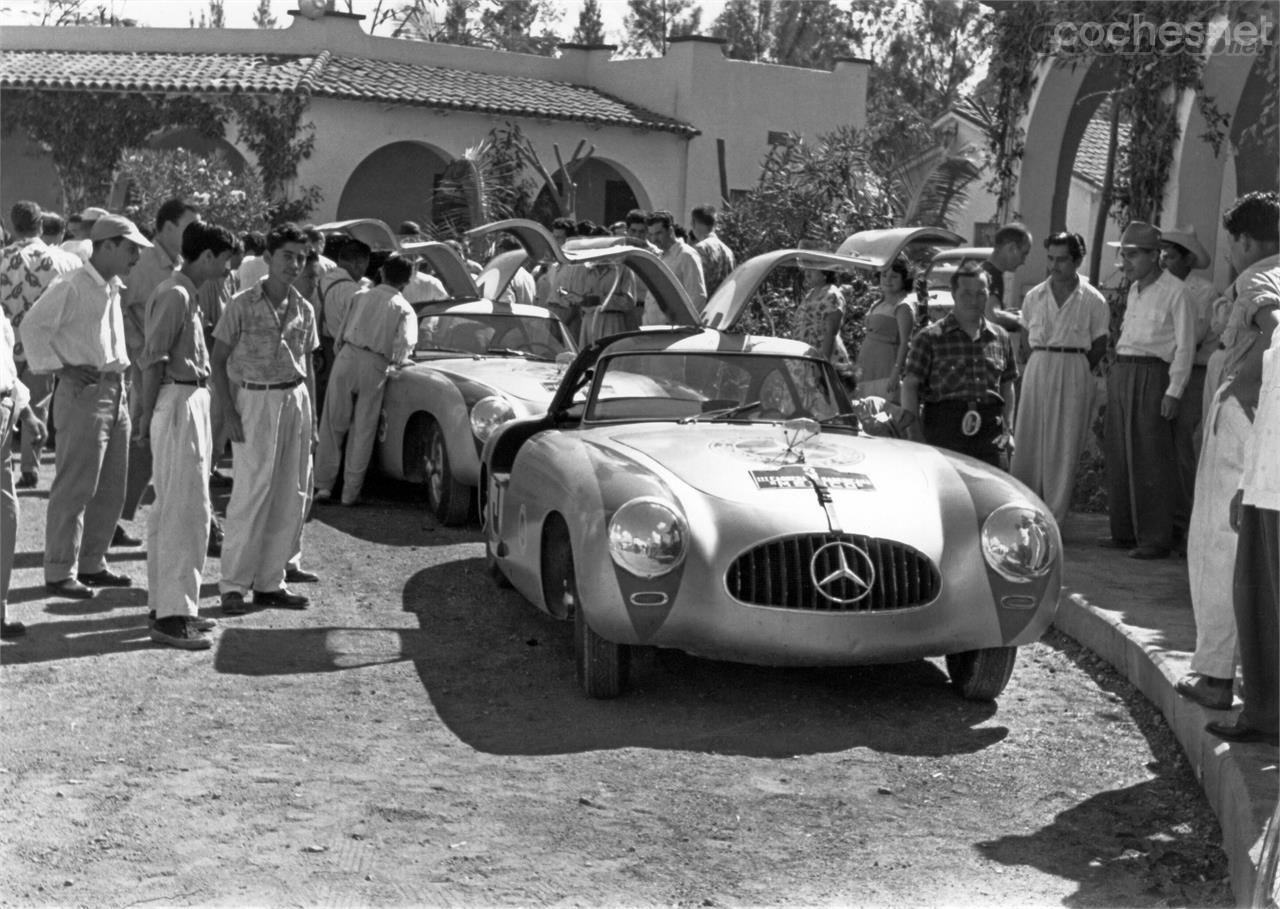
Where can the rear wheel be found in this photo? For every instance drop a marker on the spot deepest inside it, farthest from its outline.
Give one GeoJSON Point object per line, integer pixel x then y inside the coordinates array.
{"type": "Point", "coordinates": [980, 675]}
{"type": "Point", "coordinates": [448, 499]}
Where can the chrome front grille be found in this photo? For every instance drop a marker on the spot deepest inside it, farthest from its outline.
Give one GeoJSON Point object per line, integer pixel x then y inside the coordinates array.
{"type": "Point", "coordinates": [781, 573]}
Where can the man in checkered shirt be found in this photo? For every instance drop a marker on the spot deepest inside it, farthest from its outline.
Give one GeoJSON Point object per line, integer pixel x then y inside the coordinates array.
{"type": "Point", "coordinates": [959, 377]}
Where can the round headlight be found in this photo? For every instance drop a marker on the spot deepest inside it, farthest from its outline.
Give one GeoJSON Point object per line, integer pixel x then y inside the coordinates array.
{"type": "Point", "coordinates": [489, 414]}
{"type": "Point", "coordinates": [648, 537]}
{"type": "Point", "coordinates": [1019, 543]}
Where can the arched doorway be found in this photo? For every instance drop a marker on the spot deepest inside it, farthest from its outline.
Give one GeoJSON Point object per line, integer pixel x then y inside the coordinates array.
{"type": "Point", "coordinates": [606, 192]}
{"type": "Point", "coordinates": [394, 183]}
{"type": "Point", "coordinates": [205, 146]}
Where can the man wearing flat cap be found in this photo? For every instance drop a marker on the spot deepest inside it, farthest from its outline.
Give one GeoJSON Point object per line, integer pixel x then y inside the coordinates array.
{"type": "Point", "coordinates": [1144, 391]}
{"type": "Point", "coordinates": [76, 329]}
{"type": "Point", "coordinates": [1181, 255]}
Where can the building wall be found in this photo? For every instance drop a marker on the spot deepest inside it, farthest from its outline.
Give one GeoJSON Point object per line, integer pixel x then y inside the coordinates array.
{"type": "Point", "coordinates": [724, 99]}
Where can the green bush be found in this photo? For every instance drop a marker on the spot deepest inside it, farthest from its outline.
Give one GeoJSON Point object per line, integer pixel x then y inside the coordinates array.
{"type": "Point", "coordinates": [235, 201]}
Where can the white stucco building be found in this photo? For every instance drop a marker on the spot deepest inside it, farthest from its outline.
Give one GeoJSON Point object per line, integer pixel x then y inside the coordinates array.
{"type": "Point", "coordinates": [389, 114]}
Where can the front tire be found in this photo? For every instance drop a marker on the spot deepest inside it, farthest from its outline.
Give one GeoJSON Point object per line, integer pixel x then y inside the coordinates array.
{"type": "Point", "coordinates": [449, 500]}
{"type": "Point", "coordinates": [981, 675]}
{"type": "Point", "coordinates": [601, 666]}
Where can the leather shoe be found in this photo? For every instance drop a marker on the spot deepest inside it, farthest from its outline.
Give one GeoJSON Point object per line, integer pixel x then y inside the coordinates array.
{"type": "Point", "coordinates": [281, 598]}
{"type": "Point", "coordinates": [29, 480]}
{"type": "Point", "coordinates": [1149, 552]}
{"type": "Point", "coordinates": [233, 603]}
{"type": "Point", "coordinates": [1113, 543]}
{"type": "Point", "coordinates": [122, 537]}
{"type": "Point", "coordinates": [300, 576]}
{"type": "Point", "coordinates": [104, 578]}
{"type": "Point", "coordinates": [1205, 690]}
{"type": "Point", "coordinates": [69, 588]}
{"type": "Point", "coordinates": [1241, 732]}
{"type": "Point", "coordinates": [12, 630]}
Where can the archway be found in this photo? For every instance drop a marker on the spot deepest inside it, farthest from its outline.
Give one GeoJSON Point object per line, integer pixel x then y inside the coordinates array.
{"type": "Point", "coordinates": [606, 192]}
{"type": "Point", "coordinates": [206, 146]}
{"type": "Point", "coordinates": [395, 183]}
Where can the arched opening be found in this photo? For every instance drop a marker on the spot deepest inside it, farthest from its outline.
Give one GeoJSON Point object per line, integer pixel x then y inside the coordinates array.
{"type": "Point", "coordinates": [606, 192]}
{"type": "Point", "coordinates": [1257, 160]}
{"type": "Point", "coordinates": [205, 146]}
{"type": "Point", "coordinates": [394, 183]}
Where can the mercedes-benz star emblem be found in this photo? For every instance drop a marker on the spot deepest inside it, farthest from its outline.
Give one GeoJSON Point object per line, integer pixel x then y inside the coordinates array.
{"type": "Point", "coordinates": [854, 571]}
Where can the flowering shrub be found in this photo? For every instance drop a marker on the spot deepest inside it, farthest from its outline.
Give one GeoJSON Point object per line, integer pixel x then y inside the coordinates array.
{"type": "Point", "coordinates": [235, 201]}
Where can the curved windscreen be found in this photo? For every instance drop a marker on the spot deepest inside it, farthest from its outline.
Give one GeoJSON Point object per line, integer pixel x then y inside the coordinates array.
{"type": "Point", "coordinates": [672, 385]}
{"type": "Point", "coordinates": [497, 334]}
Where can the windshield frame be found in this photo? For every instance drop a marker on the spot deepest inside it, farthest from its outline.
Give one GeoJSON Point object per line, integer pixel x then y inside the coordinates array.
{"type": "Point", "coordinates": [555, 329]}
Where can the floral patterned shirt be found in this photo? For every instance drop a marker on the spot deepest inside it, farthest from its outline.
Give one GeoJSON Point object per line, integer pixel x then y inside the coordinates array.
{"type": "Point", "coordinates": [27, 268]}
{"type": "Point", "coordinates": [811, 319]}
{"type": "Point", "coordinates": [266, 347]}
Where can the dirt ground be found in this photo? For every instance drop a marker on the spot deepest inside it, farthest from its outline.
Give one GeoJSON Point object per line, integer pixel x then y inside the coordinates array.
{"type": "Point", "coordinates": [416, 738]}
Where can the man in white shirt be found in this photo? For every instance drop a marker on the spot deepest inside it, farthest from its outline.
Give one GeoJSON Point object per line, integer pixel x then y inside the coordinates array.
{"type": "Point", "coordinates": [14, 406]}
{"type": "Point", "coordinates": [76, 329]}
{"type": "Point", "coordinates": [678, 256]}
{"type": "Point", "coordinates": [377, 336]}
{"type": "Point", "coordinates": [1144, 388]}
{"type": "Point", "coordinates": [1181, 253]}
{"type": "Point", "coordinates": [334, 291]}
{"type": "Point", "coordinates": [1214, 553]}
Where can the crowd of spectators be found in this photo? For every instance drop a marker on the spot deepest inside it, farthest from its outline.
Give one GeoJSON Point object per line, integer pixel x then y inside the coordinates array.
{"type": "Point", "coordinates": [150, 347]}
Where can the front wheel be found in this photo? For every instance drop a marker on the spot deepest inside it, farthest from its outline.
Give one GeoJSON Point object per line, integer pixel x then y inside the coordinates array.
{"type": "Point", "coordinates": [601, 665]}
{"type": "Point", "coordinates": [980, 675]}
{"type": "Point", "coordinates": [448, 499]}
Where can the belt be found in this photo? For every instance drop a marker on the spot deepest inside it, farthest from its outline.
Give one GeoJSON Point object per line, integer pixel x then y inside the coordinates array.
{"type": "Point", "coordinates": [1079, 350]}
{"type": "Point", "coordinates": [100, 375]}
{"type": "Point", "coordinates": [198, 383]}
{"type": "Point", "coordinates": [376, 353]}
{"type": "Point", "coordinates": [1127, 358]}
{"type": "Point", "coordinates": [953, 404]}
{"type": "Point", "coordinates": [271, 386]}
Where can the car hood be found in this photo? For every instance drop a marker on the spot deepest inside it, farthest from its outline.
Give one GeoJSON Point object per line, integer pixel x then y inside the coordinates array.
{"type": "Point", "coordinates": [877, 485]}
{"type": "Point", "coordinates": [526, 380]}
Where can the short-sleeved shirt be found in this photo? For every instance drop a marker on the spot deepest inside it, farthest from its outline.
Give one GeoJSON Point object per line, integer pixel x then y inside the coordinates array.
{"type": "Point", "coordinates": [717, 261]}
{"type": "Point", "coordinates": [264, 346]}
{"type": "Point", "coordinates": [27, 268]}
{"type": "Point", "coordinates": [174, 333]}
{"type": "Point", "coordinates": [155, 266]}
{"type": "Point", "coordinates": [952, 366]}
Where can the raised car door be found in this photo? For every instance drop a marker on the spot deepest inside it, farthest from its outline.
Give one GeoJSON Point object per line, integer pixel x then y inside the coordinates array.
{"type": "Point", "coordinates": [732, 297]}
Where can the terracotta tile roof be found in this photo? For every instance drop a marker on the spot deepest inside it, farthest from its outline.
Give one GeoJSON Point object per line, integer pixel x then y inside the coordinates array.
{"type": "Point", "coordinates": [1091, 155]}
{"type": "Point", "coordinates": [323, 74]}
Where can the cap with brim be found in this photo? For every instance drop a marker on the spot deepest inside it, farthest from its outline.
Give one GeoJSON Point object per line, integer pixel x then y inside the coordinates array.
{"type": "Point", "coordinates": [109, 227]}
{"type": "Point", "coordinates": [93, 214]}
{"type": "Point", "coordinates": [1185, 236]}
{"type": "Point", "coordinates": [1138, 235]}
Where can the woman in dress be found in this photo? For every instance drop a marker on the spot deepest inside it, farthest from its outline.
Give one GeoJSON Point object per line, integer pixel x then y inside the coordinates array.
{"type": "Point", "coordinates": [1067, 320]}
{"type": "Point", "coordinates": [889, 324]}
{"type": "Point", "coordinates": [819, 316]}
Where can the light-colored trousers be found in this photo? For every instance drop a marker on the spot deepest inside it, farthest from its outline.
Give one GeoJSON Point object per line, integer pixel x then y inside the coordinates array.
{"type": "Point", "coordinates": [178, 523]}
{"type": "Point", "coordinates": [351, 409]}
{"type": "Point", "coordinates": [269, 497]}
{"type": "Point", "coordinates": [8, 500]}
{"type": "Point", "coordinates": [92, 460]}
{"type": "Point", "coordinates": [1211, 543]}
{"type": "Point", "coordinates": [1055, 412]}
{"type": "Point", "coordinates": [40, 385]}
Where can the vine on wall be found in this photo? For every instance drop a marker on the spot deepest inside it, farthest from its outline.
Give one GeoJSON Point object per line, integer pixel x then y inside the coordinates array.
{"type": "Point", "coordinates": [86, 134]}
{"type": "Point", "coordinates": [1154, 70]}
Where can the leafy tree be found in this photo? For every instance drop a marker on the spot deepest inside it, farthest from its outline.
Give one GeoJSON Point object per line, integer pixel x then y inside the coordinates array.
{"type": "Point", "coordinates": [235, 201]}
{"type": "Point", "coordinates": [262, 17]}
{"type": "Point", "coordinates": [590, 28]}
{"type": "Point", "coordinates": [484, 184]}
{"type": "Point", "coordinates": [80, 12]}
{"type": "Point", "coordinates": [510, 26]}
{"type": "Point", "coordinates": [650, 22]}
{"type": "Point", "coordinates": [214, 17]}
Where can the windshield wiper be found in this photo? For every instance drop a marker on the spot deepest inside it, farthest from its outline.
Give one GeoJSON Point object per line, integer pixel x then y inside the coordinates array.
{"type": "Point", "coordinates": [723, 414]}
{"type": "Point", "coordinates": [436, 348]}
{"type": "Point", "coordinates": [515, 352]}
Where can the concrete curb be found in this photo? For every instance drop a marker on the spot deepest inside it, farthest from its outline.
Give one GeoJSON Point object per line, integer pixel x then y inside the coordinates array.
{"type": "Point", "coordinates": [1240, 781]}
